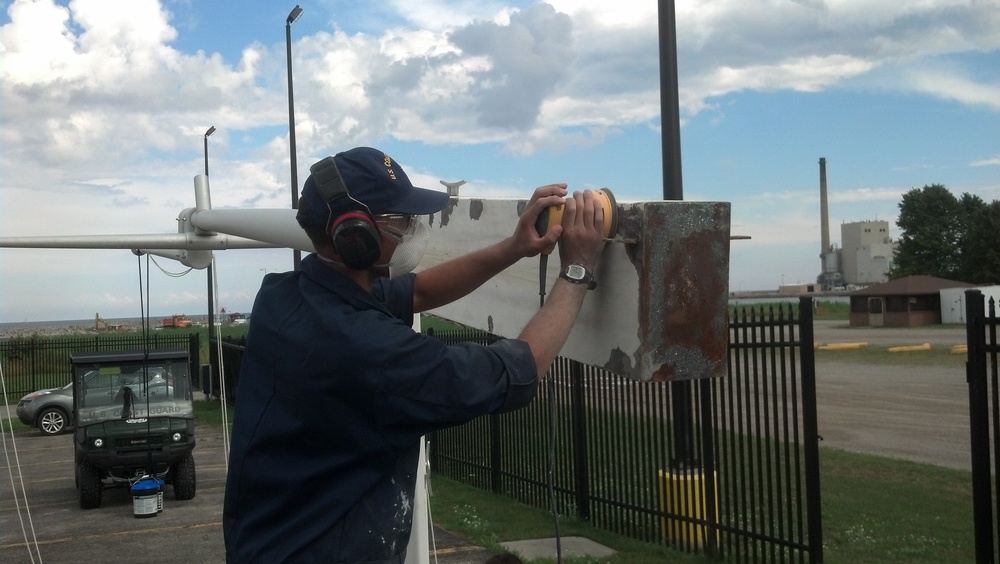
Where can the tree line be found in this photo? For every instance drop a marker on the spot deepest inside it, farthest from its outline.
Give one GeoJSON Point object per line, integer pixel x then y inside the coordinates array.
{"type": "Point", "coordinates": [948, 237]}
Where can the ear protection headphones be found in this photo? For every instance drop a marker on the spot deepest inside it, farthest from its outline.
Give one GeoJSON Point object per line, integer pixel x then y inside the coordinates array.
{"type": "Point", "coordinates": [353, 234]}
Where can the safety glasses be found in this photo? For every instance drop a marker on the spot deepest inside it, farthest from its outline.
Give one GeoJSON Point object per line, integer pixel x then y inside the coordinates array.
{"type": "Point", "coordinates": [396, 226]}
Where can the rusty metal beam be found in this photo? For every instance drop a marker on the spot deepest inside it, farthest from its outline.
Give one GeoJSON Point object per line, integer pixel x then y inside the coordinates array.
{"type": "Point", "coordinates": [659, 311]}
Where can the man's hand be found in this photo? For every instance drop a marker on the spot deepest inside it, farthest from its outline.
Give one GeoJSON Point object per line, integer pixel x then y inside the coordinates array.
{"type": "Point", "coordinates": [581, 241]}
{"type": "Point", "coordinates": [526, 241]}
{"type": "Point", "coordinates": [449, 281]}
{"type": "Point", "coordinates": [582, 237]}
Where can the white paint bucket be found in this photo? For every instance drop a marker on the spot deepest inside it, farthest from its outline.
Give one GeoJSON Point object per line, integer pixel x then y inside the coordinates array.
{"type": "Point", "coordinates": [145, 494]}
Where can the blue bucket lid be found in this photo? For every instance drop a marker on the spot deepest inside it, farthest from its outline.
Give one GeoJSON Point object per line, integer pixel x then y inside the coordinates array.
{"type": "Point", "coordinates": [144, 485]}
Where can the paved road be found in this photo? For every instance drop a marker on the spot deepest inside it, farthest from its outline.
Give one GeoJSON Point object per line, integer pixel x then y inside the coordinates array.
{"type": "Point", "coordinates": [840, 332]}
{"type": "Point", "coordinates": [185, 532]}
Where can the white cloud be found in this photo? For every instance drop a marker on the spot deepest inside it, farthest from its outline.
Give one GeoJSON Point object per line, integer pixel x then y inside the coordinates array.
{"type": "Point", "coordinates": [891, 195]}
{"type": "Point", "coordinates": [469, 72]}
{"type": "Point", "coordinates": [992, 161]}
{"type": "Point", "coordinates": [962, 89]}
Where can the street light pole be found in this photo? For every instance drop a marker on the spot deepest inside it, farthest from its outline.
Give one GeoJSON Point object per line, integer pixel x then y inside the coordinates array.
{"type": "Point", "coordinates": [211, 294]}
{"type": "Point", "coordinates": [210, 131]}
{"type": "Point", "coordinates": [292, 16]}
{"type": "Point", "coordinates": [673, 189]}
{"type": "Point", "coordinates": [211, 287]}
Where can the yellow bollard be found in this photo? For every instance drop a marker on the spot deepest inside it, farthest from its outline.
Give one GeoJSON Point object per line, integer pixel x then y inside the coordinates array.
{"type": "Point", "coordinates": [841, 346]}
{"type": "Point", "coordinates": [910, 348]}
{"type": "Point", "coordinates": [682, 492]}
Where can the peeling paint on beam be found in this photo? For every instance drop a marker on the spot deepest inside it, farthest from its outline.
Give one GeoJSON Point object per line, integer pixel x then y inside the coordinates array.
{"type": "Point", "coordinates": [659, 311]}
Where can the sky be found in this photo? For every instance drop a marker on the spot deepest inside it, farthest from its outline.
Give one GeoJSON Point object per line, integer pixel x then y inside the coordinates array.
{"type": "Point", "coordinates": [105, 104]}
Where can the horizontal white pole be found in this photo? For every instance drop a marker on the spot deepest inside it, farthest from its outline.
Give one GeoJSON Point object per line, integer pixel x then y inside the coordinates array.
{"type": "Point", "coordinates": [658, 313]}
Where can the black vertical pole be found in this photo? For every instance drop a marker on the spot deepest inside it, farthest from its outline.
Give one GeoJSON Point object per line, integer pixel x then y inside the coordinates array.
{"type": "Point", "coordinates": [979, 423]}
{"type": "Point", "coordinates": [810, 429]}
{"type": "Point", "coordinates": [670, 117]}
{"type": "Point", "coordinates": [211, 294]}
{"type": "Point", "coordinates": [673, 189]}
{"type": "Point", "coordinates": [211, 287]}
{"type": "Point", "coordinates": [292, 16]}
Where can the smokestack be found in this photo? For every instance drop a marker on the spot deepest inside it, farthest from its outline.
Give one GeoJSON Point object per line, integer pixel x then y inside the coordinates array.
{"type": "Point", "coordinates": [824, 215]}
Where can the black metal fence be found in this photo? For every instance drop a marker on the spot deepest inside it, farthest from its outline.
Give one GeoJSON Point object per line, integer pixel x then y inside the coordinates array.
{"type": "Point", "coordinates": [35, 363]}
{"type": "Point", "coordinates": [729, 467]}
{"type": "Point", "coordinates": [984, 420]}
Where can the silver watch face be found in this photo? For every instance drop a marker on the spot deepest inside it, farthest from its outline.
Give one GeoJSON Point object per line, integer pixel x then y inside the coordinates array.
{"type": "Point", "coordinates": [576, 272]}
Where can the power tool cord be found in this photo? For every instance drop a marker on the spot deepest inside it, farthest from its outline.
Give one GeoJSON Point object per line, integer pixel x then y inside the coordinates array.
{"type": "Point", "coordinates": [543, 263]}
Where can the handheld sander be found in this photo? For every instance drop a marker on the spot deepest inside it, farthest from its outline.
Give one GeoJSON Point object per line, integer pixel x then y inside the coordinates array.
{"type": "Point", "coordinates": [553, 216]}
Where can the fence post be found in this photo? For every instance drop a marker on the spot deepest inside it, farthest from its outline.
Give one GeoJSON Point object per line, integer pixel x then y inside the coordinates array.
{"type": "Point", "coordinates": [979, 422]}
{"type": "Point", "coordinates": [34, 368]}
{"type": "Point", "coordinates": [810, 429]}
{"type": "Point", "coordinates": [581, 465]}
{"type": "Point", "coordinates": [495, 453]}
{"type": "Point", "coordinates": [711, 503]}
{"type": "Point", "coordinates": [194, 362]}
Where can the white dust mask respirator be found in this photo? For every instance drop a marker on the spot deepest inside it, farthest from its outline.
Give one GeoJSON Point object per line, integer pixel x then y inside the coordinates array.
{"type": "Point", "coordinates": [411, 236]}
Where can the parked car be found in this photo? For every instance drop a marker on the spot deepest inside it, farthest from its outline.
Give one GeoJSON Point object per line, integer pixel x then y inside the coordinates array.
{"type": "Point", "coordinates": [49, 411]}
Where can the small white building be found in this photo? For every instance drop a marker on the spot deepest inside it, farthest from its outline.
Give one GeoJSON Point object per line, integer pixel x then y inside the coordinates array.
{"type": "Point", "coordinates": [953, 302]}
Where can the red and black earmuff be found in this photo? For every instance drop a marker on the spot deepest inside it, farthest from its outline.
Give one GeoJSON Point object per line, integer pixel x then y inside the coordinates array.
{"type": "Point", "coordinates": [353, 233]}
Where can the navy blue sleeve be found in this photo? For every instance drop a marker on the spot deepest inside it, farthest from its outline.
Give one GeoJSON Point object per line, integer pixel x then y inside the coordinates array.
{"type": "Point", "coordinates": [426, 385]}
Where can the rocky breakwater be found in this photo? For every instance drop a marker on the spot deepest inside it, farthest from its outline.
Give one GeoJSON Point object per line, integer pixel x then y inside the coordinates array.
{"type": "Point", "coordinates": [55, 329]}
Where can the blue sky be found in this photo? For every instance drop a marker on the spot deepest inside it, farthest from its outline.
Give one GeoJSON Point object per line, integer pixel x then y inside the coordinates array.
{"type": "Point", "coordinates": [105, 104]}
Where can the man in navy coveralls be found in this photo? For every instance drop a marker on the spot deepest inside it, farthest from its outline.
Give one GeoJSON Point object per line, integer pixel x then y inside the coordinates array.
{"type": "Point", "coordinates": [336, 389]}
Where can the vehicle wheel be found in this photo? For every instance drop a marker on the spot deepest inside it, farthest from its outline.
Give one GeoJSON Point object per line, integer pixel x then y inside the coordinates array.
{"type": "Point", "coordinates": [91, 486]}
{"type": "Point", "coordinates": [184, 479]}
{"type": "Point", "coordinates": [51, 421]}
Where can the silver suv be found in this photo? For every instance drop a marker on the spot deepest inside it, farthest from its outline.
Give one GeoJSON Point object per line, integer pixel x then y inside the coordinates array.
{"type": "Point", "coordinates": [47, 410]}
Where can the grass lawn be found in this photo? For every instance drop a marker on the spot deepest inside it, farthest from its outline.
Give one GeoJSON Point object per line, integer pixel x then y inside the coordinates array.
{"type": "Point", "coordinates": [875, 510]}
{"type": "Point", "coordinates": [881, 510]}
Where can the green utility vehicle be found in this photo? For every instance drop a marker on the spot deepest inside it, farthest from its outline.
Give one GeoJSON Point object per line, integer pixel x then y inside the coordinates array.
{"type": "Point", "coordinates": [134, 417]}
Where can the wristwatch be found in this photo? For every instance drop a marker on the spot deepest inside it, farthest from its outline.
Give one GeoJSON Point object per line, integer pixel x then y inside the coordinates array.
{"type": "Point", "coordinates": [578, 274]}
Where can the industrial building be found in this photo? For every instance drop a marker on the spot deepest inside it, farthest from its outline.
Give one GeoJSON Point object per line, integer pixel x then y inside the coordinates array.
{"type": "Point", "coordinates": [865, 254]}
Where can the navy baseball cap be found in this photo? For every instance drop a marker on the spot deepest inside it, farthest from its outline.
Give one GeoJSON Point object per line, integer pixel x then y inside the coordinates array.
{"type": "Point", "coordinates": [373, 178]}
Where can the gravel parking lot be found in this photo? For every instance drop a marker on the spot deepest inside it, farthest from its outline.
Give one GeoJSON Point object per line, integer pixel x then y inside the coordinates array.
{"type": "Point", "coordinates": [915, 413]}
{"type": "Point", "coordinates": [186, 531]}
